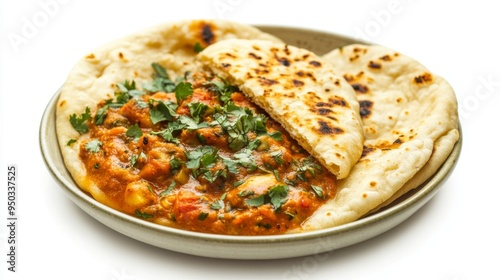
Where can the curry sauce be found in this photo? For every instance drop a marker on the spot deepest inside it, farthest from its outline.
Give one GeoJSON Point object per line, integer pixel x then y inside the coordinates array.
{"type": "Point", "coordinates": [196, 154]}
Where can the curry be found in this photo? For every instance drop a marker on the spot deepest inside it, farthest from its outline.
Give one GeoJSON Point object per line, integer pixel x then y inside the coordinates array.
{"type": "Point", "coordinates": [196, 154]}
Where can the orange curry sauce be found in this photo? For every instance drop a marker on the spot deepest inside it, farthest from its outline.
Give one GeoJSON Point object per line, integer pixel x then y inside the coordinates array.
{"type": "Point", "coordinates": [201, 157]}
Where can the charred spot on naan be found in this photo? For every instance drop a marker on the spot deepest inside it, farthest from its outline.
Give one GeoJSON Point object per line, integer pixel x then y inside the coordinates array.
{"type": "Point", "coordinates": [204, 32]}
{"type": "Point", "coordinates": [424, 78]}
{"type": "Point", "coordinates": [305, 74]}
{"type": "Point", "coordinates": [326, 129]}
{"type": "Point", "coordinates": [374, 65]}
{"type": "Point", "coordinates": [263, 81]}
{"type": "Point", "coordinates": [360, 88]}
{"type": "Point", "coordinates": [365, 108]}
{"type": "Point", "coordinates": [326, 109]}
{"type": "Point", "coordinates": [359, 82]}
{"type": "Point", "coordinates": [382, 146]}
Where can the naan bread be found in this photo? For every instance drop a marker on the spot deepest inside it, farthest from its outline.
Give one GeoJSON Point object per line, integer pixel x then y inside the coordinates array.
{"type": "Point", "coordinates": [410, 124]}
{"type": "Point", "coordinates": [299, 90]}
{"type": "Point", "coordinates": [94, 77]}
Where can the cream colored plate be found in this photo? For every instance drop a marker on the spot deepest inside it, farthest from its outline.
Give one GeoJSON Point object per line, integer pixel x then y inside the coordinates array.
{"type": "Point", "coordinates": [245, 247]}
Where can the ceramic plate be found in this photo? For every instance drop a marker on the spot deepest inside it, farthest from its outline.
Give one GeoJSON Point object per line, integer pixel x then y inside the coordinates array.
{"type": "Point", "coordinates": [246, 247]}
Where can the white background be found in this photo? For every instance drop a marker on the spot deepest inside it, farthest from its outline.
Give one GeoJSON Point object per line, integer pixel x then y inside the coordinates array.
{"type": "Point", "coordinates": [454, 237]}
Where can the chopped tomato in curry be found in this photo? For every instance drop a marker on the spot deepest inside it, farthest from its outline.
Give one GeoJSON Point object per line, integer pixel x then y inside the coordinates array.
{"type": "Point", "coordinates": [197, 155]}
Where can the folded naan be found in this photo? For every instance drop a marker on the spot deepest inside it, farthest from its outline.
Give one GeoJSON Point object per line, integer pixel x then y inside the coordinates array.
{"type": "Point", "coordinates": [299, 90]}
{"type": "Point", "coordinates": [410, 124]}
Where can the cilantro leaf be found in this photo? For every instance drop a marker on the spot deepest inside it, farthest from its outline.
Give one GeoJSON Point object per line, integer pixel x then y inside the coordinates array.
{"type": "Point", "coordinates": [198, 47]}
{"type": "Point", "coordinates": [142, 214]}
{"type": "Point", "coordinates": [242, 158]}
{"type": "Point", "coordinates": [182, 91]}
{"type": "Point", "coordinates": [219, 204]}
{"type": "Point", "coordinates": [79, 122]}
{"type": "Point", "coordinates": [307, 166]}
{"type": "Point", "coordinates": [223, 89]}
{"type": "Point", "coordinates": [159, 70]}
{"type": "Point", "coordinates": [318, 191]}
{"type": "Point", "coordinates": [278, 195]}
{"type": "Point", "coordinates": [191, 124]}
{"type": "Point", "coordinates": [202, 216]}
{"type": "Point", "coordinates": [101, 115]}
{"type": "Point", "coordinates": [134, 132]}
{"type": "Point", "coordinates": [163, 111]}
{"type": "Point", "coordinates": [169, 189]}
{"type": "Point", "coordinates": [175, 163]}
{"type": "Point", "coordinates": [197, 110]}
{"type": "Point", "coordinates": [168, 133]}
{"type": "Point", "coordinates": [256, 201]}
{"type": "Point", "coordinates": [277, 156]}
{"type": "Point", "coordinates": [93, 146]}
{"type": "Point", "coordinates": [127, 91]}
{"type": "Point", "coordinates": [161, 80]}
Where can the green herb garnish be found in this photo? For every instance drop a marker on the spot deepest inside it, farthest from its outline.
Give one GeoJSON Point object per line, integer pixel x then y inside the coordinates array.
{"type": "Point", "coordinates": [142, 214]}
{"type": "Point", "coordinates": [79, 122]}
{"type": "Point", "coordinates": [93, 146]}
{"type": "Point", "coordinates": [134, 132]}
{"type": "Point", "coordinates": [182, 91]}
{"type": "Point", "coordinates": [197, 47]}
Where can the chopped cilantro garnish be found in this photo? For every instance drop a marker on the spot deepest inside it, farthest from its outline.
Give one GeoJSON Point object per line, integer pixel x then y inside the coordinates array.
{"type": "Point", "coordinates": [169, 189]}
{"type": "Point", "coordinates": [175, 163]}
{"type": "Point", "coordinates": [160, 72]}
{"type": "Point", "coordinates": [182, 91]}
{"type": "Point", "coordinates": [307, 165]}
{"type": "Point", "coordinates": [101, 115]}
{"type": "Point", "coordinates": [79, 122]}
{"type": "Point", "coordinates": [242, 158]}
{"type": "Point", "coordinates": [134, 132]}
{"type": "Point", "coordinates": [163, 111]}
{"type": "Point", "coordinates": [277, 156]}
{"type": "Point", "coordinates": [202, 216]}
{"type": "Point", "coordinates": [197, 110]}
{"type": "Point", "coordinates": [127, 91]}
{"type": "Point", "coordinates": [238, 183]}
{"type": "Point", "coordinates": [93, 146]}
{"type": "Point", "coordinates": [197, 47]}
{"type": "Point", "coordinates": [219, 204]}
{"type": "Point", "coordinates": [168, 133]}
{"type": "Point", "coordinates": [191, 124]}
{"type": "Point", "coordinates": [256, 201]}
{"type": "Point", "coordinates": [278, 195]}
{"type": "Point", "coordinates": [142, 214]}
{"type": "Point", "coordinates": [161, 80]}
{"type": "Point", "coordinates": [201, 162]}
{"type": "Point", "coordinates": [245, 193]}
{"type": "Point", "coordinates": [318, 191]}
{"type": "Point", "coordinates": [203, 156]}
{"type": "Point", "coordinates": [223, 89]}
{"type": "Point", "coordinates": [70, 142]}
{"type": "Point", "coordinates": [133, 159]}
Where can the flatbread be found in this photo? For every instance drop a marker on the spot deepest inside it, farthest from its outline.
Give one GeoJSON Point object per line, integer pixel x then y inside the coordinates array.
{"type": "Point", "coordinates": [410, 123]}
{"type": "Point", "coordinates": [299, 90]}
{"type": "Point", "coordinates": [95, 76]}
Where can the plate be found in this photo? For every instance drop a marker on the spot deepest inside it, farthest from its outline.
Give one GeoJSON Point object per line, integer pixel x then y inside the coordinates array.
{"type": "Point", "coordinates": [245, 247]}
